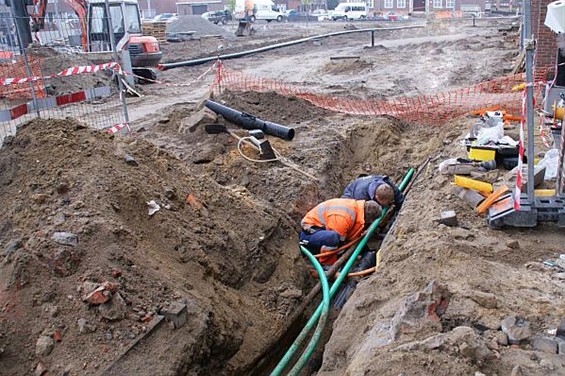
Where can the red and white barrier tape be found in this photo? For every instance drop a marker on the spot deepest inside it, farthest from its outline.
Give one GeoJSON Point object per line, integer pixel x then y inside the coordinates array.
{"type": "Point", "coordinates": [52, 102]}
{"type": "Point", "coordinates": [118, 127]}
{"type": "Point", "coordinates": [542, 131]}
{"type": "Point", "coordinates": [64, 73]}
{"type": "Point", "coordinates": [519, 174]}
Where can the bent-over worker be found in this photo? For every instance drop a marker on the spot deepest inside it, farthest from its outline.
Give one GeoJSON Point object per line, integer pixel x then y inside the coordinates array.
{"type": "Point", "coordinates": [336, 221]}
{"type": "Point", "coordinates": [375, 187]}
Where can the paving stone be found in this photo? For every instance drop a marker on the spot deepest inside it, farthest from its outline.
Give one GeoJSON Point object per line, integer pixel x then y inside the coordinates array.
{"type": "Point", "coordinates": [44, 346]}
{"type": "Point", "coordinates": [177, 314]}
{"type": "Point", "coordinates": [84, 326]}
{"type": "Point", "coordinates": [544, 344]}
{"type": "Point", "coordinates": [484, 299]}
{"type": "Point", "coordinates": [66, 238]}
{"type": "Point", "coordinates": [12, 246]}
{"type": "Point", "coordinates": [113, 310]}
{"type": "Point", "coordinates": [516, 328]}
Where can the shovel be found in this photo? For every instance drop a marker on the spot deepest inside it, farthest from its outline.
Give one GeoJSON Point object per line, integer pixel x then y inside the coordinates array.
{"type": "Point", "coordinates": [263, 146]}
{"type": "Point", "coordinates": [220, 128]}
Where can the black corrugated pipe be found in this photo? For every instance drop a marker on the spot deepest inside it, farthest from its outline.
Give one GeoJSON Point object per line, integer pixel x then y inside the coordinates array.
{"type": "Point", "coordinates": [248, 121]}
{"type": "Point", "coordinates": [236, 55]}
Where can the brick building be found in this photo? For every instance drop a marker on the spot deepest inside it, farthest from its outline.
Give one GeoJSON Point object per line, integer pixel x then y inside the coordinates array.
{"type": "Point", "coordinates": [151, 8]}
{"type": "Point", "coordinates": [188, 7]}
{"type": "Point", "coordinates": [427, 6]}
{"type": "Point", "coordinates": [546, 48]}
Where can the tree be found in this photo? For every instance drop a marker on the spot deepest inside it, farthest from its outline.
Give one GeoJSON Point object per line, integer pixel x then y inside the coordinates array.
{"type": "Point", "coordinates": [230, 4]}
{"type": "Point", "coordinates": [306, 5]}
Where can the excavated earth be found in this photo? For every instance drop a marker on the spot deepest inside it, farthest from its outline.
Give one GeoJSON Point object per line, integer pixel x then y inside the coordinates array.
{"type": "Point", "coordinates": [87, 272]}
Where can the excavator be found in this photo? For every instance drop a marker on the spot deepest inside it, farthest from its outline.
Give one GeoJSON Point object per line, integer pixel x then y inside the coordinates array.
{"type": "Point", "coordinates": [144, 51]}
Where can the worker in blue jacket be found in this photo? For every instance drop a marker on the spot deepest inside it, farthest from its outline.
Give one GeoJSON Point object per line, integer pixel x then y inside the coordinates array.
{"type": "Point", "coordinates": [375, 187]}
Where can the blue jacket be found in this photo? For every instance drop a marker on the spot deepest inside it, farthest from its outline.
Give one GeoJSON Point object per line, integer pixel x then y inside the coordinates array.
{"type": "Point", "coordinates": [364, 189]}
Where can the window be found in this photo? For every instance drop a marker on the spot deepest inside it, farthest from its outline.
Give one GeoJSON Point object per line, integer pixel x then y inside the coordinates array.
{"type": "Point", "coordinates": [401, 4]}
{"type": "Point", "coordinates": [371, 4]}
{"type": "Point", "coordinates": [450, 4]}
{"type": "Point", "coordinates": [97, 19]}
{"type": "Point", "coordinates": [389, 4]}
{"type": "Point", "coordinates": [438, 4]}
{"type": "Point", "coordinates": [132, 19]}
{"type": "Point", "coordinates": [117, 18]}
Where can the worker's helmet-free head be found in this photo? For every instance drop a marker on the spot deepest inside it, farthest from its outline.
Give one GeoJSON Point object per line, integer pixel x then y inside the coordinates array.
{"type": "Point", "coordinates": [384, 195]}
{"type": "Point", "coordinates": [372, 211]}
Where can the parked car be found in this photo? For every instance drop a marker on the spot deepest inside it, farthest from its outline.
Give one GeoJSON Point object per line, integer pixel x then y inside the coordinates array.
{"type": "Point", "coordinates": [218, 16]}
{"type": "Point", "coordinates": [388, 16]}
{"type": "Point", "coordinates": [293, 15]}
{"type": "Point", "coordinates": [391, 16]}
{"type": "Point", "coordinates": [166, 17]}
{"type": "Point", "coordinates": [321, 14]}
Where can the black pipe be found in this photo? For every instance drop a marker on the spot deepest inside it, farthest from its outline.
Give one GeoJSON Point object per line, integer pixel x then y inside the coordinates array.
{"type": "Point", "coordinates": [235, 55]}
{"type": "Point", "coordinates": [248, 121]}
{"type": "Point", "coordinates": [368, 260]}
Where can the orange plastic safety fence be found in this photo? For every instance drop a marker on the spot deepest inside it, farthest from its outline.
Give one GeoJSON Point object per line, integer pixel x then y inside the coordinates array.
{"type": "Point", "coordinates": [15, 68]}
{"type": "Point", "coordinates": [431, 109]}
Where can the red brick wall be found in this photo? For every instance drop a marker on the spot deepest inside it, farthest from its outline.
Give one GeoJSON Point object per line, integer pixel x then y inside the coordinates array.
{"type": "Point", "coordinates": [546, 48]}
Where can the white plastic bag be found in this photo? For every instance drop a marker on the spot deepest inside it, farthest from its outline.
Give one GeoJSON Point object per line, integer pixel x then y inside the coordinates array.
{"type": "Point", "coordinates": [490, 134]}
{"type": "Point", "coordinates": [444, 166]}
{"type": "Point", "coordinates": [550, 162]}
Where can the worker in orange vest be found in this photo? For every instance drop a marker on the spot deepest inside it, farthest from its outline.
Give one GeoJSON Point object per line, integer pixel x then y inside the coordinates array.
{"type": "Point", "coordinates": [335, 221]}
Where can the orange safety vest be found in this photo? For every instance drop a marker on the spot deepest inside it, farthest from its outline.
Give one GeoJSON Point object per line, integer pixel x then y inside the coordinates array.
{"type": "Point", "coordinates": [346, 216]}
{"type": "Point", "coordinates": [248, 5]}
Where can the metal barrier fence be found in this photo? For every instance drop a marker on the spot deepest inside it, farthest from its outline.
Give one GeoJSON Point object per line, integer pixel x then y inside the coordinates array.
{"type": "Point", "coordinates": [44, 72]}
{"type": "Point", "coordinates": [560, 185]}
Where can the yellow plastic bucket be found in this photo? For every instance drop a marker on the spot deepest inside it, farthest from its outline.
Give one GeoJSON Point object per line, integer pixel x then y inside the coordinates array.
{"type": "Point", "coordinates": [478, 154]}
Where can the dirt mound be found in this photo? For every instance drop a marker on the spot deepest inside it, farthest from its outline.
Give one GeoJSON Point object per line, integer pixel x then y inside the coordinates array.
{"type": "Point", "coordinates": [54, 62]}
{"type": "Point", "coordinates": [200, 25]}
{"type": "Point", "coordinates": [347, 66]}
{"type": "Point", "coordinates": [271, 106]}
{"type": "Point", "coordinates": [75, 215]}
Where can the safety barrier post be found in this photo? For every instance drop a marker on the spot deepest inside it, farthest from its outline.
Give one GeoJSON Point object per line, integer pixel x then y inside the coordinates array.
{"type": "Point", "coordinates": [24, 55]}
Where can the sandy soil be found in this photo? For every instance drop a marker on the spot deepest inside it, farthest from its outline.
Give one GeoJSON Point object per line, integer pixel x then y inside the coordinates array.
{"type": "Point", "coordinates": [224, 240]}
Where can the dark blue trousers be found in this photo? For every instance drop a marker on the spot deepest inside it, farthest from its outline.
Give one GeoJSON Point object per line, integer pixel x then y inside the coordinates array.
{"type": "Point", "coordinates": [320, 238]}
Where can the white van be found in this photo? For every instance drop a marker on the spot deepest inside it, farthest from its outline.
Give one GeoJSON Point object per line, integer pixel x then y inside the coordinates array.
{"type": "Point", "coordinates": [262, 10]}
{"type": "Point", "coordinates": [350, 11]}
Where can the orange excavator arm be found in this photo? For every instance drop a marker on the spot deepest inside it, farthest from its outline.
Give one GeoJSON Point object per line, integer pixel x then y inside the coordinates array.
{"type": "Point", "coordinates": [38, 15]}
{"type": "Point", "coordinates": [81, 8]}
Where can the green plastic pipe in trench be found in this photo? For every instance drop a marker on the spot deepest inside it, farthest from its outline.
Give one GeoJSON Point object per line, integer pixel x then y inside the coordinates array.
{"type": "Point", "coordinates": [323, 318]}
{"type": "Point", "coordinates": [343, 273]}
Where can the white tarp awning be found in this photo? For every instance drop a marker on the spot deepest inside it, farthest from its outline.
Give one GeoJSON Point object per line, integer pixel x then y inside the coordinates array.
{"type": "Point", "coordinates": [555, 18]}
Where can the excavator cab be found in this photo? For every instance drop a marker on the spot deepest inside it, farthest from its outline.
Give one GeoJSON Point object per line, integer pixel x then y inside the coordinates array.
{"type": "Point", "coordinates": [124, 15]}
{"type": "Point", "coordinates": [95, 31]}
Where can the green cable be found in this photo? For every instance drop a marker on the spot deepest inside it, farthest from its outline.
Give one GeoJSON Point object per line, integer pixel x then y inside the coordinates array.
{"type": "Point", "coordinates": [297, 342]}
{"type": "Point", "coordinates": [323, 318]}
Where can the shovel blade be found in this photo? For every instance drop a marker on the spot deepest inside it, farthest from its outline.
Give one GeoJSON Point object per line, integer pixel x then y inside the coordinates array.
{"type": "Point", "coordinates": [215, 128]}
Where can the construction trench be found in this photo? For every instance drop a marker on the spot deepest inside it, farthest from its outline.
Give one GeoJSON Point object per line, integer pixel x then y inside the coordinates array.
{"type": "Point", "coordinates": [213, 283]}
